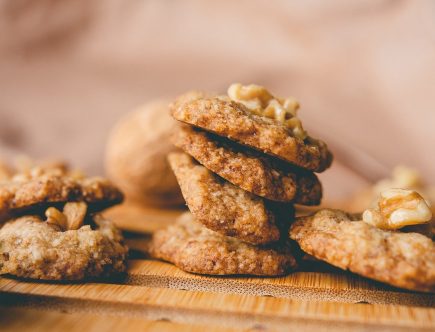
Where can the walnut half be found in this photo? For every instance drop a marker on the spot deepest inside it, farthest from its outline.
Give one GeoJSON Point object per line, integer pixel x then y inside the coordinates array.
{"type": "Point", "coordinates": [398, 208]}
{"type": "Point", "coordinates": [71, 218]}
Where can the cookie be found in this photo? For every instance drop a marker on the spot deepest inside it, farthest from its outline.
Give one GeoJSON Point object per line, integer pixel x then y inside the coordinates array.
{"type": "Point", "coordinates": [405, 260]}
{"type": "Point", "coordinates": [24, 191]}
{"type": "Point", "coordinates": [225, 208]}
{"type": "Point", "coordinates": [249, 169]}
{"type": "Point", "coordinates": [234, 121]}
{"type": "Point", "coordinates": [32, 248]}
{"type": "Point", "coordinates": [194, 248]}
{"type": "Point", "coordinates": [136, 154]}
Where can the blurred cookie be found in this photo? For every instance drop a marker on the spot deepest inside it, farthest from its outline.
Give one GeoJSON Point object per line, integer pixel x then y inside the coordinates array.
{"type": "Point", "coordinates": [248, 169]}
{"type": "Point", "coordinates": [194, 248]}
{"type": "Point", "coordinates": [251, 116]}
{"type": "Point", "coordinates": [33, 248]}
{"type": "Point", "coordinates": [43, 186]}
{"type": "Point", "coordinates": [405, 260]}
{"type": "Point", "coordinates": [225, 208]}
{"type": "Point", "coordinates": [136, 156]}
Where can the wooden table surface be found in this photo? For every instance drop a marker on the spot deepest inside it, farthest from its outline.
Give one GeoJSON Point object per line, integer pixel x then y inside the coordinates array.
{"type": "Point", "coordinates": [157, 296]}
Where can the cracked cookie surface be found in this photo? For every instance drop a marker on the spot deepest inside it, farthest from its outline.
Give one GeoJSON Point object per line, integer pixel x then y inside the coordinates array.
{"type": "Point", "coordinates": [194, 248]}
{"type": "Point", "coordinates": [31, 248]}
{"type": "Point", "coordinates": [234, 121]}
{"type": "Point", "coordinates": [249, 169]}
{"type": "Point", "coordinates": [225, 208]}
{"type": "Point", "coordinates": [44, 189]}
{"type": "Point", "coordinates": [405, 260]}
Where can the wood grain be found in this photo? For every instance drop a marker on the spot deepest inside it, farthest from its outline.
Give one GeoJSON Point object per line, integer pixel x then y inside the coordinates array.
{"type": "Point", "coordinates": [141, 219]}
{"type": "Point", "coordinates": [37, 320]}
{"type": "Point", "coordinates": [315, 286]}
{"type": "Point", "coordinates": [244, 311]}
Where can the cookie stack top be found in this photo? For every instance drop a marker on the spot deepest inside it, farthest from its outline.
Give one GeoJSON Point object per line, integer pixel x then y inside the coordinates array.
{"type": "Point", "coordinates": [251, 116]}
{"type": "Point", "coordinates": [247, 160]}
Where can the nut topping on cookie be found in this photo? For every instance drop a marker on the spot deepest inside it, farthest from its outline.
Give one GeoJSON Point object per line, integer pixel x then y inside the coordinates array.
{"type": "Point", "coordinates": [251, 116]}
{"type": "Point", "coordinates": [261, 102]}
{"type": "Point", "coordinates": [71, 218]}
{"type": "Point", "coordinates": [398, 208]}
{"type": "Point", "coordinates": [75, 213]}
{"type": "Point", "coordinates": [56, 219]}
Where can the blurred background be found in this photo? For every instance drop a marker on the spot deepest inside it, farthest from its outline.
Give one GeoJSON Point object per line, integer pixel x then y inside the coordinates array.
{"type": "Point", "coordinates": [363, 71]}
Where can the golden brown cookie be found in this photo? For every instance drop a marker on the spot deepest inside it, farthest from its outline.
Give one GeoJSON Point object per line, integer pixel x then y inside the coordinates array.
{"type": "Point", "coordinates": [32, 248]}
{"type": "Point", "coordinates": [405, 260]}
{"type": "Point", "coordinates": [234, 121]}
{"type": "Point", "coordinates": [249, 169]}
{"type": "Point", "coordinates": [41, 188]}
{"type": "Point", "coordinates": [225, 208]}
{"type": "Point", "coordinates": [194, 248]}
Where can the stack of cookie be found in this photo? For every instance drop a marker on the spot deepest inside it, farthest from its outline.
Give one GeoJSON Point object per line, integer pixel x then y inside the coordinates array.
{"type": "Point", "coordinates": [52, 227]}
{"type": "Point", "coordinates": [247, 160]}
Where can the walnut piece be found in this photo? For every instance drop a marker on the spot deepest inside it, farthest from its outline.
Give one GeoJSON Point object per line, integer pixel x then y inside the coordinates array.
{"type": "Point", "coordinates": [397, 208]}
{"type": "Point", "coordinates": [71, 218]}
{"type": "Point", "coordinates": [75, 213]}
{"type": "Point", "coordinates": [56, 219]}
{"type": "Point", "coordinates": [261, 102]}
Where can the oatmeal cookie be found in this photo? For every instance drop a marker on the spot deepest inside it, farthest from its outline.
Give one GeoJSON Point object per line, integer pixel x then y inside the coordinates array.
{"type": "Point", "coordinates": [234, 121]}
{"type": "Point", "coordinates": [32, 248]}
{"type": "Point", "coordinates": [405, 260]}
{"type": "Point", "coordinates": [225, 208]}
{"type": "Point", "coordinates": [194, 248]}
{"type": "Point", "coordinates": [249, 169]}
{"type": "Point", "coordinates": [23, 192]}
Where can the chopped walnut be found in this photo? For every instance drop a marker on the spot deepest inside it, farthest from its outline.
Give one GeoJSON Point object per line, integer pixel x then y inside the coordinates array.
{"type": "Point", "coordinates": [71, 218]}
{"type": "Point", "coordinates": [56, 219]}
{"type": "Point", "coordinates": [398, 208]}
{"type": "Point", "coordinates": [261, 102]}
{"type": "Point", "coordinates": [75, 213]}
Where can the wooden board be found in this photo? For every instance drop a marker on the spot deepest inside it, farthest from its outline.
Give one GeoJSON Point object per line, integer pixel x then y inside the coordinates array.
{"type": "Point", "coordinates": [158, 296]}
{"type": "Point", "coordinates": [13, 319]}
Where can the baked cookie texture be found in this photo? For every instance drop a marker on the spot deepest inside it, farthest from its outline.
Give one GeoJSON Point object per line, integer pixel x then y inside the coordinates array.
{"type": "Point", "coordinates": [25, 192]}
{"type": "Point", "coordinates": [249, 169]}
{"type": "Point", "coordinates": [31, 248]}
{"type": "Point", "coordinates": [234, 121]}
{"type": "Point", "coordinates": [194, 248]}
{"type": "Point", "coordinates": [71, 242]}
{"type": "Point", "coordinates": [405, 260]}
{"type": "Point", "coordinates": [225, 208]}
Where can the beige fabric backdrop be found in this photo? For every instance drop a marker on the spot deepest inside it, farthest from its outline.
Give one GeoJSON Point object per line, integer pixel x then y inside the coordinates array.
{"type": "Point", "coordinates": [363, 70]}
